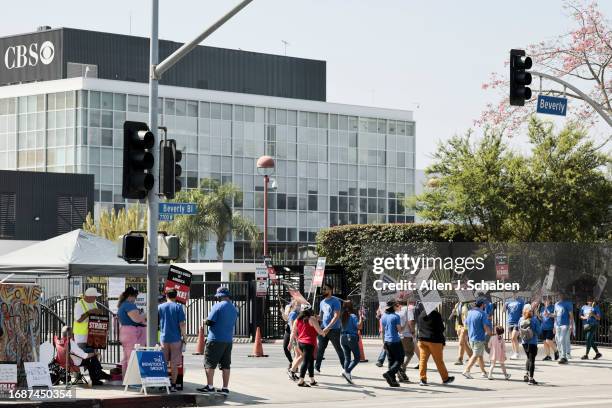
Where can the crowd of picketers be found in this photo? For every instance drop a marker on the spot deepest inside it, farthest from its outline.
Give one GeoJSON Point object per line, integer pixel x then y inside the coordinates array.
{"type": "Point", "coordinates": [407, 329]}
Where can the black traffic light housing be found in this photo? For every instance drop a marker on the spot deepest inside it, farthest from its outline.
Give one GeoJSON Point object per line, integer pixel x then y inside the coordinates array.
{"type": "Point", "coordinates": [169, 170]}
{"type": "Point", "coordinates": [137, 160]}
{"type": "Point", "coordinates": [132, 247]}
{"type": "Point", "coordinates": [519, 78]}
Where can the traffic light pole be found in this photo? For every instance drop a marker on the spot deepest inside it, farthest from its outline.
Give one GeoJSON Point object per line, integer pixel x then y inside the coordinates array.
{"type": "Point", "coordinates": [155, 72]}
{"type": "Point", "coordinates": [578, 92]}
{"type": "Point", "coordinates": [153, 198]}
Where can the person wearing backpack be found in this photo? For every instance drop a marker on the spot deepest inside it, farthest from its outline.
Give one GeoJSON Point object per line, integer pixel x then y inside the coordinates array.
{"type": "Point", "coordinates": [529, 330]}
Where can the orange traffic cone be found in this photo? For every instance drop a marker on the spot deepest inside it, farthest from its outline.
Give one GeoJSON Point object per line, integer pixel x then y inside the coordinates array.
{"type": "Point", "coordinates": [200, 344]}
{"type": "Point", "coordinates": [362, 358]}
{"type": "Point", "coordinates": [257, 346]}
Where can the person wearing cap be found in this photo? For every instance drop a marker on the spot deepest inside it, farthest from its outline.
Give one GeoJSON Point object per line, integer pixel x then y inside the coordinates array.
{"type": "Point", "coordinates": [83, 308]}
{"type": "Point", "coordinates": [172, 326]}
{"type": "Point", "coordinates": [391, 325]}
{"type": "Point", "coordinates": [478, 328]}
{"type": "Point", "coordinates": [131, 325]}
{"type": "Point", "coordinates": [218, 351]}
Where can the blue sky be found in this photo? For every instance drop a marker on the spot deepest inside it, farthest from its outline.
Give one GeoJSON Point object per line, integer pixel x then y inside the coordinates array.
{"type": "Point", "coordinates": [427, 56]}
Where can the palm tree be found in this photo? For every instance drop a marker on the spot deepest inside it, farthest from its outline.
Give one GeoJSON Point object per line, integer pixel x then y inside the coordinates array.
{"type": "Point", "coordinates": [220, 217]}
{"type": "Point", "coordinates": [111, 224]}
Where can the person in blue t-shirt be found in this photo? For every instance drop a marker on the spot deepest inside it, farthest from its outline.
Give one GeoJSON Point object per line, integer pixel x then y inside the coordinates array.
{"type": "Point", "coordinates": [564, 326]}
{"type": "Point", "coordinates": [590, 314]}
{"type": "Point", "coordinates": [530, 325]}
{"type": "Point", "coordinates": [478, 327]}
{"type": "Point", "coordinates": [349, 338]}
{"type": "Point", "coordinates": [329, 315]}
{"type": "Point", "coordinates": [172, 336]}
{"type": "Point", "coordinates": [548, 324]}
{"type": "Point", "coordinates": [218, 352]}
{"type": "Point", "coordinates": [514, 308]}
{"type": "Point", "coordinates": [392, 326]}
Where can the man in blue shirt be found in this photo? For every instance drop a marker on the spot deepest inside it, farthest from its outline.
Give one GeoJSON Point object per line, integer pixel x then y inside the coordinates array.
{"type": "Point", "coordinates": [590, 314]}
{"type": "Point", "coordinates": [391, 326]}
{"type": "Point", "coordinates": [478, 328]}
{"type": "Point", "coordinates": [172, 336]}
{"type": "Point", "coordinates": [514, 311]}
{"type": "Point", "coordinates": [548, 323]}
{"type": "Point", "coordinates": [220, 321]}
{"type": "Point", "coordinates": [329, 314]}
{"type": "Point", "coordinates": [564, 326]}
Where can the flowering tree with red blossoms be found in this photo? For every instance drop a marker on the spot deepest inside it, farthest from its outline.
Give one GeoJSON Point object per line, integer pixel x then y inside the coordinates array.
{"type": "Point", "coordinates": [582, 57]}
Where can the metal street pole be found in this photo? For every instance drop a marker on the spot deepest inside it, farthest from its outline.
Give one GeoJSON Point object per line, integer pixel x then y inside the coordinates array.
{"type": "Point", "coordinates": [152, 198]}
{"type": "Point", "coordinates": [265, 240]}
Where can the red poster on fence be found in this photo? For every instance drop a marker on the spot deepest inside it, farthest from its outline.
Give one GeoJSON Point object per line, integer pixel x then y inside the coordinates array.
{"type": "Point", "coordinates": [97, 331]}
{"type": "Point", "coordinates": [502, 267]}
{"type": "Point", "coordinates": [271, 271]}
{"type": "Point", "coordinates": [297, 296]}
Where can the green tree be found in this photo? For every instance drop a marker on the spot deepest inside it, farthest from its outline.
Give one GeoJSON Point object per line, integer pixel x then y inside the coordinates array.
{"type": "Point", "coordinates": [558, 192]}
{"type": "Point", "coordinates": [111, 224]}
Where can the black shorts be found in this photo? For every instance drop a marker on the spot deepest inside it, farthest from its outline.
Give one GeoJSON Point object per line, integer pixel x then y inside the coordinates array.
{"type": "Point", "coordinates": [218, 353]}
{"type": "Point", "coordinates": [548, 335]}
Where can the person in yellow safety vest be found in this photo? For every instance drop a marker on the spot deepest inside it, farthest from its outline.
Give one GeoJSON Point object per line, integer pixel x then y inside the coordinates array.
{"type": "Point", "coordinates": [83, 308]}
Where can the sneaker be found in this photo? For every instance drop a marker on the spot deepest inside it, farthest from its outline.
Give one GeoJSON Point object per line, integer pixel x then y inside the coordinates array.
{"type": "Point", "coordinates": [484, 375]}
{"type": "Point", "coordinates": [467, 375]}
{"type": "Point", "coordinates": [173, 388]}
{"type": "Point", "coordinates": [290, 374]}
{"type": "Point", "coordinates": [416, 367]}
{"type": "Point", "coordinates": [532, 382]}
{"type": "Point", "coordinates": [507, 376]}
{"type": "Point", "coordinates": [206, 388]}
{"type": "Point", "coordinates": [526, 378]}
{"type": "Point", "coordinates": [390, 379]}
{"type": "Point", "coordinates": [563, 361]}
{"type": "Point", "coordinates": [97, 383]}
{"type": "Point", "coordinates": [318, 370]}
{"type": "Point", "coordinates": [223, 391]}
{"type": "Point", "coordinates": [490, 376]}
{"type": "Point", "coordinates": [379, 364]}
{"type": "Point", "coordinates": [458, 362]}
{"type": "Point", "coordinates": [597, 356]}
{"type": "Point", "coordinates": [402, 376]}
{"type": "Point", "coordinates": [556, 355]}
{"type": "Point", "coordinates": [514, 356]}
{"type": "Point", "coordinates": [449, 380]}
{"type": "Point", "coordinates": [347, 377]}
{"type": "Point", "coordinates": [585, 357]}
{"type": "Point", "coordinates": [547, 358]}
{"type": "Point", "coordinates": [423, 383]}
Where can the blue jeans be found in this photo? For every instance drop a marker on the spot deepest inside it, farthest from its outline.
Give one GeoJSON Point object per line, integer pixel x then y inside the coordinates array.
{"type": "Point", "coordinates": [350, 344]}
{"type": "Point", "coordinates": [563, 341]}
{"type": "Point", "coordinates": [382, 356]}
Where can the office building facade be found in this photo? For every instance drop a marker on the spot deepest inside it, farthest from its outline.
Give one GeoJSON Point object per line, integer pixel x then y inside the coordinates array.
{"type": "Point", "coordinates": [335, 163]}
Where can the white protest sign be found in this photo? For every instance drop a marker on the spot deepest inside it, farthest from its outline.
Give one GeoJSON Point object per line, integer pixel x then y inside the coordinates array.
{"type": "Point", "coordinates": [430, 298]}
{"type": "Point", "coordinates": [37, 375]}
{"type": "Point", "coordinates": [8, 373]}
{"type": "Point", "coordinates": [548, 281]}
{"type": "Point", "coordinates": [141, 301]}
{"type": "Point", "coordinates": [599, 287]}
{"type": "Point", "coordinates": [116, 286]}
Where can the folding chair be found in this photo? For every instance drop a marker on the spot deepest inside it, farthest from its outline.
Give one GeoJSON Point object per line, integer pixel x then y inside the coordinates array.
{"type": "Point", "coordinates": [60, 362]}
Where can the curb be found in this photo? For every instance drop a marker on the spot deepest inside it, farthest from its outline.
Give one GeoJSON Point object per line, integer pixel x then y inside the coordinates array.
{"type": "Point", "coordinates": [151, 401]}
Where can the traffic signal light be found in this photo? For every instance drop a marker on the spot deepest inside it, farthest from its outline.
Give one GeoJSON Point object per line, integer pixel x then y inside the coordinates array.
{"type": "Point", "coordinates": [170, 170]}
{"type": "Point", "coordinates": [519, 79]}
{"type": "Point", "coordinates": [132, 247]}
{"type": "Point", "coordinates": [137, 160]}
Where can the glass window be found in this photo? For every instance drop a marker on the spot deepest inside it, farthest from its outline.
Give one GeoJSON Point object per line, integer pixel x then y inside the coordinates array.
{"type": "Point", "coordinates": [281, 116]}
{"type": "Point", "coordinates": [192, 109]}
{"type": "Point", "coordinates": [292, 118]}
{"type": "Point", "coordinates": [181, 107]}
{"type": "Point", "coordinates": [215, 110]}
{"type": "Point", "coordinates": [312, 119]}
{"type": "Point", "coordinates": [94, 100]}
{"type": "Point", "coordinates": [239, 113]}
{"type": "Point", "coordinates": [119, 102]}
{"type": "Point", "coordinates": [303, 119]}
{"type": "Point", "coordinates": [106, 100]}
{"type": "Point", "coordinates": [106, 139]}
{"type": "Point", "coordinates": [226, 113]}
{"type": "Point", "coordinates": [143, 104]}
{"type": "Point", "coordinates": [249, 114]}
{"type": "Point", "coordinates": [132, 102]}
{"type": "Point", "coordinates": [204, 110]}
{"type": "Point", "coordinates": [107, 118]}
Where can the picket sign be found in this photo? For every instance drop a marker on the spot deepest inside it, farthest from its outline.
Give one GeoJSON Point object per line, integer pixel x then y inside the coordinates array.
{"type": "Point", "coordinates": [147, 368]}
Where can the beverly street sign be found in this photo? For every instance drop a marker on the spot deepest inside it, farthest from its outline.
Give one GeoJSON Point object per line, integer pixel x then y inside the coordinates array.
{"type": "Point", "coordinates": [552, 105]}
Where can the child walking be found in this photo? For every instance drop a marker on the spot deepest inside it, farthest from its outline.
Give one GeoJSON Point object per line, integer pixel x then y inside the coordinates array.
{"type": "Point", "coordinates": [497, 345]}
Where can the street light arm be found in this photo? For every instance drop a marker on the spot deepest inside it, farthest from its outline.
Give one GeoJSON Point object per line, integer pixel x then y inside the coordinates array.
{"type": "Point", "coordinates": [176, 56]}
{"type": "Point", "coordinates": [584, 96]}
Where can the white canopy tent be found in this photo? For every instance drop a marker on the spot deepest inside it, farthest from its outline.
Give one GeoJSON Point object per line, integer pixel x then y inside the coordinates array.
{"type": "Point", "coordinates": [76, 253]}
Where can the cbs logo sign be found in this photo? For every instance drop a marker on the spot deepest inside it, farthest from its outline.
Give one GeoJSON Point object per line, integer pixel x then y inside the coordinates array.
{"type": "Point", "coordinates": [20, 56]}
